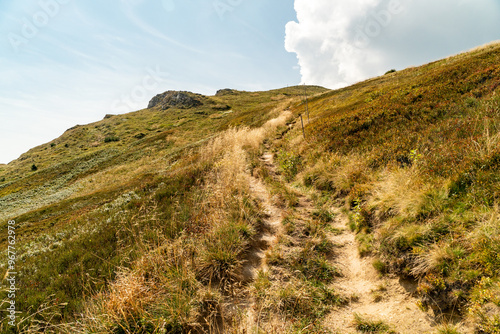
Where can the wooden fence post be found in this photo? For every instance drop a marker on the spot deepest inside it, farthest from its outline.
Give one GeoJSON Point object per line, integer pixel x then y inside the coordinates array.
{"type": "Point", "coordinates": [303, 131]}
{"type": "Point", "coordinates": [307, 106]}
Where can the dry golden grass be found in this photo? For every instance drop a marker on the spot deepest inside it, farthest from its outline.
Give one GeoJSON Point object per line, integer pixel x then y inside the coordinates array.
{"type": "Point", "coordinates": [489, 141]}
{"type": "Point", "coordinates": [431, 259]}
{"type": "Point", "coordinates": [239, 138]}
{"type": "Point", "coordinates": [485, 46]}
{"type": "Point", "coordinates": [155, 285]}
{"type": "Point", "coordinates": [353, 170]}
{"type": "Point", "coordinates": [399, 191]}
{"type": "Point", "coordinates": [210, 264]}
{"type": "Point", "coordinates": [339, 173]}
{"type": "Point", "coordinates": [128, 296]}
{"type": "Point", "coordinates": [490, 223]}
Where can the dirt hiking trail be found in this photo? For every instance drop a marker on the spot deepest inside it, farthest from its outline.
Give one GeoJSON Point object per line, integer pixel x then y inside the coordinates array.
{"type": "Point", "coordinates": [267, 237]}
{"type": "Point", "coordinates": [271, 226]}
{"type": "Point", "coordinates": [373, 297]}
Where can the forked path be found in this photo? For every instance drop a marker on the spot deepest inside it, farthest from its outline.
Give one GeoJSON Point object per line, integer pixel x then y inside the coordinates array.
{"type": "Point", "coordinates": [373, 297]}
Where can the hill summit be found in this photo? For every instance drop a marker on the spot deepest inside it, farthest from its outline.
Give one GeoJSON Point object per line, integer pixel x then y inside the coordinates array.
{"type": "Point", "coordinates": [178, 99]}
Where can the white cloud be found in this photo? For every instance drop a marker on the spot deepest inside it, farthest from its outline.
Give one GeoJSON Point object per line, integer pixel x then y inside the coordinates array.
{"type": "Point", "coordinates": [340, 42]}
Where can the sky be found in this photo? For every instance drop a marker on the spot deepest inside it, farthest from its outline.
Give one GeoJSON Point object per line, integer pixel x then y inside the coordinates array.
{"type": "Point", "coordinates": [68, 62]}
{"type": "Point", "coordinates": [340, 42]}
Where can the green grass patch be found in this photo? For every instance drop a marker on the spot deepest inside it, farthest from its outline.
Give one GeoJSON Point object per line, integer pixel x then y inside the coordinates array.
{"type": "Point", "coordinates": [364, 325]}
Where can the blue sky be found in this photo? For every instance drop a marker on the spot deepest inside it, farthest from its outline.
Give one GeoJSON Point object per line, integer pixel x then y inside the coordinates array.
{"type": "Point", "coordinates": [68, 62]}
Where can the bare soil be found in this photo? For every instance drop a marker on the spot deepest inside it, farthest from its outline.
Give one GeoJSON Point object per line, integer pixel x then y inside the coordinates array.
{"type": "Point", "coordinates": [271, 224]}
{"type": "Point", "coordinates": [265, 240]}
{"type": "Point", "coordinates": [372, 296]}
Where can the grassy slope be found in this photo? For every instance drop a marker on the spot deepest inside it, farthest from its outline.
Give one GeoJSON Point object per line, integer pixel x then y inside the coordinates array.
{"type": "Point", "coordinates": [78, 213]}
{"type": "Point", "coordinates": [414, 158]}
{"type": "Point", "coordinates": [167, 218]}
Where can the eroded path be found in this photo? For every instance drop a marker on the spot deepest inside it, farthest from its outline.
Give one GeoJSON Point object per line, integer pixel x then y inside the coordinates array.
{"type": "Point", "coordinates": [265, 240]}
{"type": "Point", "coordinates": [271, 226]}
{"type": "Point", "coordinates": [371, 296]}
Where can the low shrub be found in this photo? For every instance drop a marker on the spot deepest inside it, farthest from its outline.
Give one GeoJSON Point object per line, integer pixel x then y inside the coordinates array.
{"type": "Point", "coordinates": [111, 139]}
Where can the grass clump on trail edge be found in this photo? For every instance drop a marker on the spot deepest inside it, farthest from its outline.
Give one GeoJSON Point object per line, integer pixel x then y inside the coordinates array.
{"type": "Point", "coordinates": [364, 325]}
{"type": "Point", "coordinates": [414, 159]}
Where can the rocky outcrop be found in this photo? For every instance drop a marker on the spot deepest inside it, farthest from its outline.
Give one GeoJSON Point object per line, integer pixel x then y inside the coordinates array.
{"type": "Point", "coordinates": [225, 91]}
{"type": "Point", "coordinates": [176, 99]}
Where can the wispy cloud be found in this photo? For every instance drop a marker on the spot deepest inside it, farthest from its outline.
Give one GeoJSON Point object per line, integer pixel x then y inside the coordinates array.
{"type": "Point", "coordinates": [148, 29]}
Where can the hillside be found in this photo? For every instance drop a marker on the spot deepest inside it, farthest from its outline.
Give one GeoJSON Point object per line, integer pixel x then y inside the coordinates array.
{"type": "Point", "coordinates": [77, 213]}
{"type": "Point", "coordinates": [412, 159]}
{"type": "Point", "coordinates": [215, 214]}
